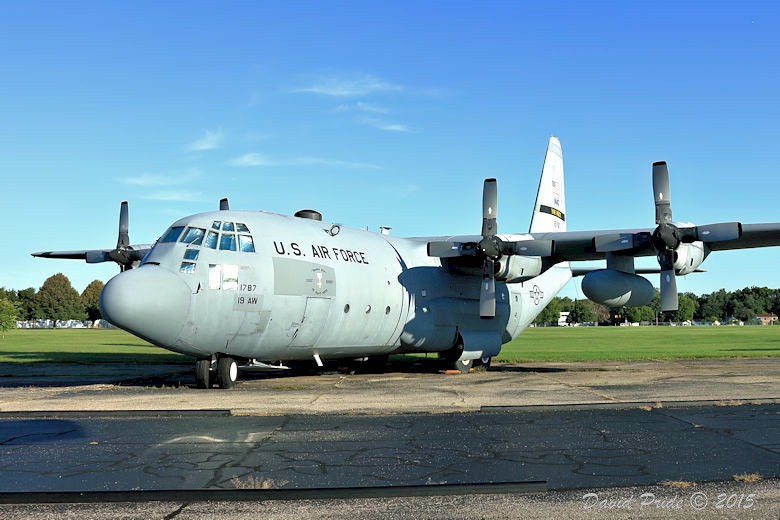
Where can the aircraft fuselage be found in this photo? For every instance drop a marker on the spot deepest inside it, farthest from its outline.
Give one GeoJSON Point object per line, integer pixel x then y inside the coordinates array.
{"type": "Point", "coordinates": [271, 287]}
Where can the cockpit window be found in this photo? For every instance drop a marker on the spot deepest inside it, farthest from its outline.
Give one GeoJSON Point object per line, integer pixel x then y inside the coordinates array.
{"type": "Point", "coordinates": [191, 254]}
{"type": "Point", "coordinates": [227, 226]}
{"type": "Point", "coordinates": [211, 240]}
{"type": "Point", "coordinates": [246, 244]}
{"type": "Point", "coordinates": [216, 224]}
{"type": "Point", "coordinates": [193, 236]}
{"type": "Point", "coordinates": [227, 242]}
{"type": "Point", "coordinates": [241, 228]}
{"type": "Point", "coordinates": [173, 234]}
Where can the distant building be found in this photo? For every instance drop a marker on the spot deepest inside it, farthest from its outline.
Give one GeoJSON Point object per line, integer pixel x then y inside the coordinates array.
{"type": "Point", "coordinates": [563, 319]}
{"type": "Point", "coordinates": [766, 319]}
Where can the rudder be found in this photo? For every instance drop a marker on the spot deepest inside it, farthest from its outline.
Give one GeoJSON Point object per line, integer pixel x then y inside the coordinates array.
{"type": "Point", "coordinates": [550, 207]}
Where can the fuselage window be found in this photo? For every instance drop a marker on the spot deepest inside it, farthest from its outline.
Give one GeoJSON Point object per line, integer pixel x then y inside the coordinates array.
{"type": "Point", "coordinates": [193, 236]}
{"type": "Point", "coordinates": [241, 228]}
{"type": "Point", "coordinates": [246, 244]}
{"type": "Point", "coordinates": [211, 240]}
{"type": "Point", "coordinates": [227, 226]}
{"type": "Point", "coordinates": [173, 234]}
{"type": "Point", "coordinates": [227, 242]}
{"type": "Point", "coordinates": [216, 224]}
{"type": "Point", "coordinates": [187, 267]}
{"type": "Point", "coordinates": [191, 254]}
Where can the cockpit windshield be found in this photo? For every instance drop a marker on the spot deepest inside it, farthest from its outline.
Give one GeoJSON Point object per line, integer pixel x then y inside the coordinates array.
{"type": "Point", "coordinates": [223, 236]}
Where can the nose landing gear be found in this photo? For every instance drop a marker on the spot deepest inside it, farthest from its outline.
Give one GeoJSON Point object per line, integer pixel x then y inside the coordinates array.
{"type": "Point", "coordinates": [223, 372]}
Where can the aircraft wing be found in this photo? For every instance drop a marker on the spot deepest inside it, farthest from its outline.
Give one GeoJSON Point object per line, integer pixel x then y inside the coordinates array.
{"type": "Point", "coordinates": [92, 256]}
{"type": "Point", "coordinates": [593, 245]}
{"type": "Point", "coordinates": [95, 256]}
{"type": "Point", "coordinates": [753, 235]}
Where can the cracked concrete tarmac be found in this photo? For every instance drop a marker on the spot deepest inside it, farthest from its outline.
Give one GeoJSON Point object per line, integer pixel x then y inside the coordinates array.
{"type": "Point", "coordinates": [575, 426]}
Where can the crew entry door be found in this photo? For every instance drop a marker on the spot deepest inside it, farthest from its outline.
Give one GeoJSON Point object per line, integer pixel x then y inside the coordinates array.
{"type": "Point", "coordinates": [315, 316]}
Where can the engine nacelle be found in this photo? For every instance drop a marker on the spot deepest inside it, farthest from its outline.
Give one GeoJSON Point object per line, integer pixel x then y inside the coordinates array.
{"type": "Point", "coordinates": [617, 289]}
{"type": "Point", "coordinates": [516, 269]}
{"type": "Point", "coordinates": [688, 257]}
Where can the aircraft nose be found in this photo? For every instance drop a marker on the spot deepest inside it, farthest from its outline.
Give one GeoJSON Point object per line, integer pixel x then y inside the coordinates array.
{"type": "Point", "coordinates": [150, 302]}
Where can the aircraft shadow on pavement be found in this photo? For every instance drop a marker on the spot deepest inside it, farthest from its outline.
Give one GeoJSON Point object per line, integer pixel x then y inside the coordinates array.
{"type": "Point", "coordinates": [131, 370]}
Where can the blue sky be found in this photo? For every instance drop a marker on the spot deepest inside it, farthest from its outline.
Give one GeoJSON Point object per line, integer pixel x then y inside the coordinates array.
{"type": "Point", "coordinates": [382, 113]}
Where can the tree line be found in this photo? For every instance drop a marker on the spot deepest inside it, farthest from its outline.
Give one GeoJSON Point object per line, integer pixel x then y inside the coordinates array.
{"type": "Point", "coordinates": [740, 305]}
{"type": "Point", "coordinates": [56, 299]}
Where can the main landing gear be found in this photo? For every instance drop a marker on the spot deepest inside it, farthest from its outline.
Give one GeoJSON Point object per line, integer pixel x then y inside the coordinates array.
{"type": "Point", "coordinates": [452, 360]}
{"type": "Point", "coordinates": [224, 372]}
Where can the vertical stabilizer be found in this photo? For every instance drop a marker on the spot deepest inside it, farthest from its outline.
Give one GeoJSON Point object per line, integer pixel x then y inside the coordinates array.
{"type": "Point", "coordinates": [550, 207]}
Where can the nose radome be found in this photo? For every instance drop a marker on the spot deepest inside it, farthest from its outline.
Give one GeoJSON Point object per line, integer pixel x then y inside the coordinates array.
{"type": "Point", "coordinates": [150, 302]}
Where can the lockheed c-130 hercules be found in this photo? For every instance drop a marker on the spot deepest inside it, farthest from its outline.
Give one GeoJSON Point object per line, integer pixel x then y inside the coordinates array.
{"type": "Point", "coordinates": [258, 289]}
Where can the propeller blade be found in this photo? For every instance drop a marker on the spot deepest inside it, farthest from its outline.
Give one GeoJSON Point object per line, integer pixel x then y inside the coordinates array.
{"type": "Point", "coordinates": [487, 293]}
{"type": "Point", "coordinates": [224, 205]}
{"type": "Point", "coordinates": [719, 232]}
{"type": "Point", "coordinates": [529, 247]}
{"type": "Point", "coordinates": [668, 291]}
{"type": "Point", "coordinates": [445, 249]}
{"type": "Point", "coordinates": [489, 208]}
{"type": "Point", "coordinates": [662, 193]}
{"type": "Point", "coordinates": [123, 239]}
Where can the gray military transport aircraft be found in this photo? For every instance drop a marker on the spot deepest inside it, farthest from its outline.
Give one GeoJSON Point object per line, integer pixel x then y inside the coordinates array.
{"type": "Point", "coordinates": [257, 289]}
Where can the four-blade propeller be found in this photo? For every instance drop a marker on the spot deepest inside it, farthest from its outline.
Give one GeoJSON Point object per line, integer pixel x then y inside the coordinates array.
{"type": "Point", "coordinates": [668, 237]}
{"type": "Point", "coordinates": [124, 254]}
{"type": "Point", "coordinates": [490, 247]}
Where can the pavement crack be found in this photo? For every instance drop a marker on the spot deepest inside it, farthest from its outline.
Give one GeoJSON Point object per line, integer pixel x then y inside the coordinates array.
{"type": "Point", "coordinates": [174, 514]}
{"type": "Point", "coordinates": [582, 388]}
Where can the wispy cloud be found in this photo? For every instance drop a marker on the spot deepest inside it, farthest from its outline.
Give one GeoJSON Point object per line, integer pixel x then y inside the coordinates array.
{"type": "Point", "coordinates": [385, 125]}
{"type": "Point", "coordinates": [361, 106]}
{"type": "Point", "coordinates": [157, 179]}
{"type": "Point", "coordinates": [176, 196]}
{"type": "Point", "coordinates": [211, 140]}
{"type": "Point", "coordinates": [348, 86]}
{"type": "Point", "coordinates": [251, 159]}
{"type": "Point", "coordinates": [260, 160]}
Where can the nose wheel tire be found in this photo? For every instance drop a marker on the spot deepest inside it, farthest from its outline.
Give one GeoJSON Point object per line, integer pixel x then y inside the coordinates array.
{"type": "Point", "coordinates": [227, 372]}
{"type": "Point", "coordinates": [203, 373]}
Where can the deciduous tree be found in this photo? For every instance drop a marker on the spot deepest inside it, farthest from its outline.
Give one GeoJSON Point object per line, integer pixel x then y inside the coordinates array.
{"type": "Point", "coordinates": [58, 300]}
{"type": "Point", "coordinates": [90, 298]}
{"type": "Point", "coordinates": [9, 313]}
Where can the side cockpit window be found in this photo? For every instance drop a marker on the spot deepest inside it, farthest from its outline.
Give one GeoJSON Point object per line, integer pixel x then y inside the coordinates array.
{"type": "Point", "coordinates": [173, 234]}
{"type": "Point", "coordinates": [193, 236]}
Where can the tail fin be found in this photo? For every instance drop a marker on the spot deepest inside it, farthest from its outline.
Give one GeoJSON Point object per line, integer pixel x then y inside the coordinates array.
{"type": "Point", "coordinates": [550, 207]}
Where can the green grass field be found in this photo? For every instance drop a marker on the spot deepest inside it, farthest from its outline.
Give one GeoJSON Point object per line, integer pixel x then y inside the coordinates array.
{"type": "Point", "coordinates": [627, 343]}
{"type": "Point", "coordinates": [535, 344]}
{"type": "Point", "coordinates": [81, 346]}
